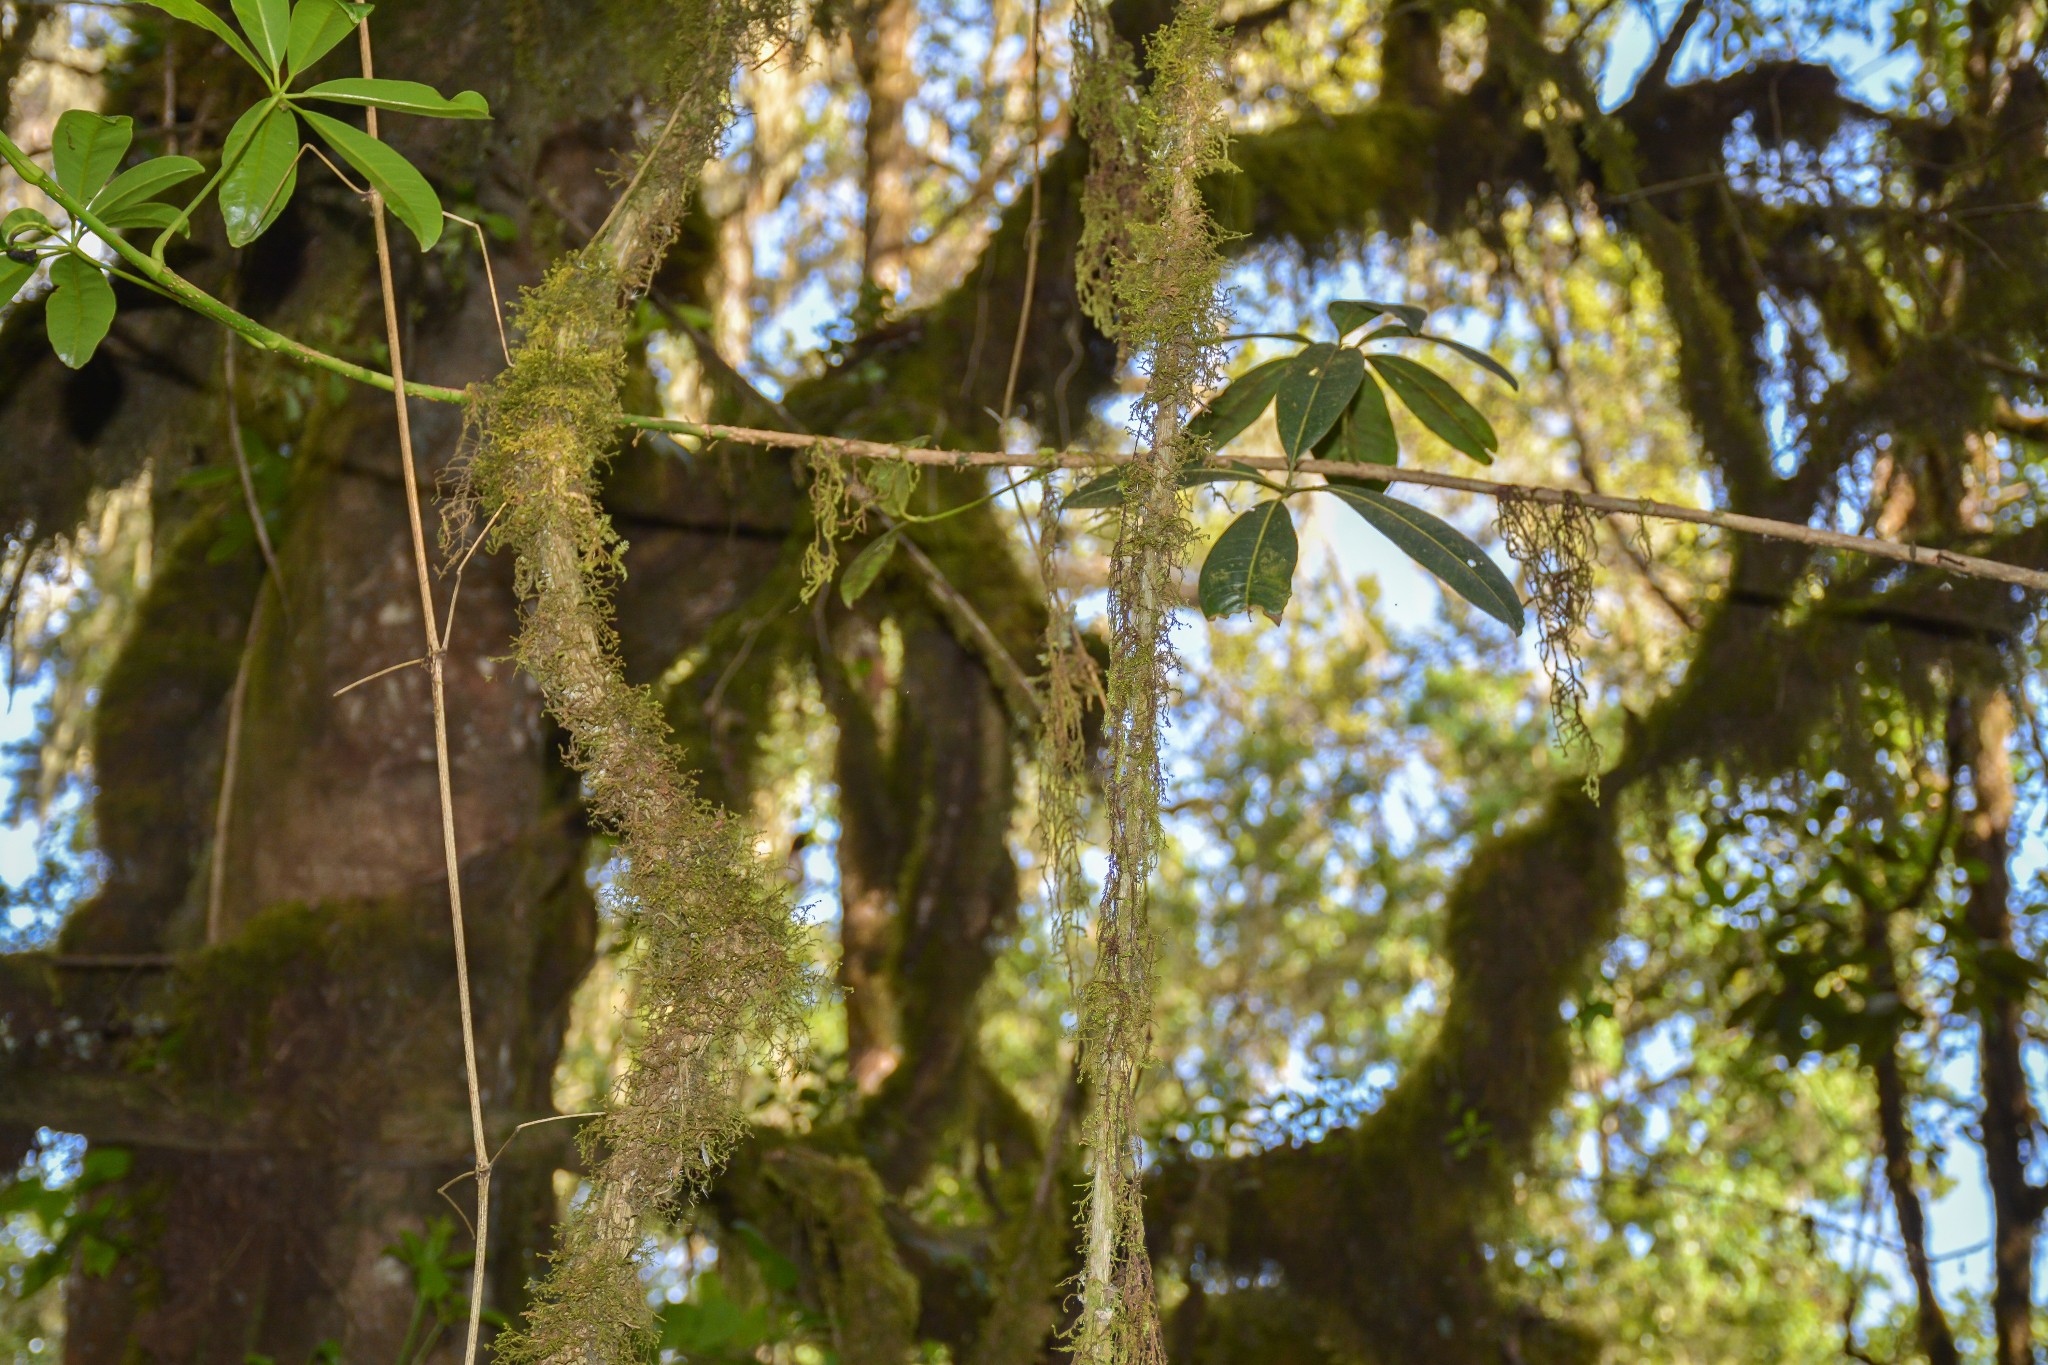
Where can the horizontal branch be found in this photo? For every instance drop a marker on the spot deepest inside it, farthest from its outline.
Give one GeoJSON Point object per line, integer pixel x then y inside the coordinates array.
{"type": "Point", "coordinates": [1951, 561]}
{"type": "Point", "coordinates": [175, 286]}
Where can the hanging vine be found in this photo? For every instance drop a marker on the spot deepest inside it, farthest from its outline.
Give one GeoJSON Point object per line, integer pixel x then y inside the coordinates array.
{"type": "Point", "coordinates": [1149, 273]}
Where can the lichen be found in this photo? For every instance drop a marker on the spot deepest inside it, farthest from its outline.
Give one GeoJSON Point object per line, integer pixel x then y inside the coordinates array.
{"type": "Point", "coordinates": [835, 513]}
{"type": "Point", "coordinates": [1557, 546]}
{"type": "Point", "coordinates": [1149, 271]}
{"type": "Point", "coordinates": [1070, 685]}
{"type": "Point", "coordinates": [721, 973]}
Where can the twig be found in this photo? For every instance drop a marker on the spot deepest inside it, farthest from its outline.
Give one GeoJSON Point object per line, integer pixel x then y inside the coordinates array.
{"type": "Point", "coordinates": [455, 594]}
{"type": "Point", "coordinates": [1033, 229]}
{"type": "Point", "coordinates": [490, 279]}
{"type": "Point", "coordinates": [435, 674]}
{"type": "Point", "coordinates": [378, 674]}
{"type": "Point", "coordinates": [1009, 678]}
{"type": "Point", "coordinates": [1970, 566]}
{"type": "Point", "coordinates": [442, 1189]}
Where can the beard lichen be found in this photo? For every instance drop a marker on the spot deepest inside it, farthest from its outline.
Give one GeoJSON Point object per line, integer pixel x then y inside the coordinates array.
{"type": "Point", "coordinates": [835, 513]}
{"type": "Point", "coordinates": [721, 975]}
{"type": "Point", "coordinates": [1149, 272]}
{"type": "Point", "coordinates": [1557, 545]}
{"type": "Point", "coordinates": [721, 979]}
{"type": "Point", "coordinates": [1071, 684]}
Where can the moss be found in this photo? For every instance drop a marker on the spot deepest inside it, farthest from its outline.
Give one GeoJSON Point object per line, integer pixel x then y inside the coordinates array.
{"type": "Point", "coordinates": [154, 741]}
{"type": "Point", "coordinates": [721, 974]}
{"type": "Point", "coordinates": [1315, 183]}
{"type": "Point", "coordinates": [319, 1009]}
{"type": "Point", "coordinates": [870, 1299]}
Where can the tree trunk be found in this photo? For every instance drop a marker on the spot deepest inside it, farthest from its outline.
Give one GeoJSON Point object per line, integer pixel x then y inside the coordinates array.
{"type": "Point", "coordinates": [1984, 731]}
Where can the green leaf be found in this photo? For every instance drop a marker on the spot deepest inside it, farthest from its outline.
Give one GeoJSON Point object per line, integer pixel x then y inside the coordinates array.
{"type": "Point", "coordinates": [151, 215]}
{"type": "Point", "coordinates": [13, 275]}
{"type": "Point", "coordinates": [1442, 408]}
{"type": "Point", "coordinates": [1471, 353]}
{"type": "Point", "coordinates": [317, 26]}
{"type": "Point", "coordinates": [193, 12]}
{"type": "Point", "coordinates": [1107, 490]}
{"type": "Point", "coordinates": [866, 567]}
{"type": "Point", "coordinates": [404, 189]}
{"type": "Point", "coordinates": [1319, 382]}
{"type": "Point", "coordinates": [1348, 315]}
{"type": "Point", "coordinates": [1365, 435]}
{"type": "Point", "coordinates": [265, 158]}
{"type": "Point", "coordinates": [79, 310]}
{"type": "Point", "coordinates": [86, 149]}
{"type": "Point", "coordinates": [20, 222]}
{"type": "Point", "coordinates": [400, 97]}
{"type": "Point", "coordinates": [1196, 475]}
{"type": "Point", "coordinates": [1251, 564]}
{"type": "Point", "coordinates": [1239, 405]}
{"type": "Point", "coordinates": [1460, 565]}
{"type": "Point", "coordinates": [268, 24]}
{"type": "Point", "coordinates": [1102, 491]}
{"type": "Point", "coordinates": [138, 184]}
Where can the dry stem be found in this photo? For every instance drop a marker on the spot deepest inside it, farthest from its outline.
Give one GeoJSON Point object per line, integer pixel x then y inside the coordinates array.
{"type": "Point", "coordinates": [435, 674]}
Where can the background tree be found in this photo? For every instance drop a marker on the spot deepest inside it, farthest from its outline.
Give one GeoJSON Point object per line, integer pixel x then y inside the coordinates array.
{"type": "Point", "coordinates": [1454, 1061]}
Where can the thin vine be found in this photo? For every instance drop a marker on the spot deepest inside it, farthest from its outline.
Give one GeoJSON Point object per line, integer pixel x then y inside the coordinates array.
{"type": "Point", "coordinates": [1149, 272]}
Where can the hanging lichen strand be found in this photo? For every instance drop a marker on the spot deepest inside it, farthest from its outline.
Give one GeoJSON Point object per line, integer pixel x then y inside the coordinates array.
{"type": "Point", "coordinates": [719, 972]}
{"type": "Point", "coordinates": [1557, 546]}
{"type": "Point", "coordinates": [1149, 276]}
{"type": "Point", "coordinates": [720, 977]}
{"type": "Point", "coordinates": [1070, 684]}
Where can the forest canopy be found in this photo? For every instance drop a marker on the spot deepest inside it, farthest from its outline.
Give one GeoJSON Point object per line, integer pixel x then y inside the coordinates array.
{"type": "Point", "coordinates": [1316, 682]}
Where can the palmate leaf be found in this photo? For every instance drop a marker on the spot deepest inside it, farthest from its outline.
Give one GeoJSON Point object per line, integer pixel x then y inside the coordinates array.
{"type": "Point", "coordinates": [262, 153]}
{"type": "Point", "coordinates": [405, 191]}
{"type": "Point", "coordinates": [1458, 564]}
{"type": "Point", "coordinates": [79, 310]}
{"type": "Point", "coordinates": [1440, 407]}
{"type": "Point", "coordinates": [317, 27]}
{"type": "Point", "coordinates": [1317, 385]}
{"type": "Point", "coordinates": [195, 12]}
{"type": "Point", "coordinates": [1365, 434]}
{"type": "Point", "coordinates": [400, 97]}
{"type": "Point", "coordinates": [23, 225]}
{"type": "Point", "coordinates": [86, 148]}
{"type": "Point", "coordinates": [1471, 353]}
{"type": "Point", "coordinates": [13, 275]}
{"type": "Point", "coordinates": [151, 214]}
{"type": "Point", "coordinates": [1239, 405]}
{"type": "Point", "coordinates": [268, 24]}
{"type": "Point", "coordinates": [1348, 315]}
{"type": "Point", "coordinates": [139, 184]}
{"type": "Point", "coordinates": [1105, 491]}
{"type": "Point", "coordinates": [1251, 565]}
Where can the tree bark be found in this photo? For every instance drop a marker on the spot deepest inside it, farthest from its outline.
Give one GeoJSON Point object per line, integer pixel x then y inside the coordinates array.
{"type": "Point", "coordinates": [1983, 731]}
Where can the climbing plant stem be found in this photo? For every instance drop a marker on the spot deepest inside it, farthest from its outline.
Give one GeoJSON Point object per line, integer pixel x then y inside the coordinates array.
{"type": "Point", "coordinates": [256, 334]}
{"type": "Point", "coordinates": [436, 657]}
